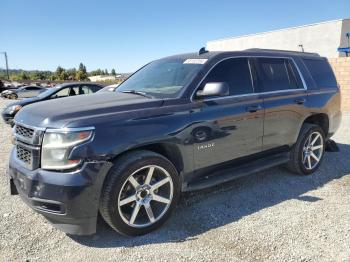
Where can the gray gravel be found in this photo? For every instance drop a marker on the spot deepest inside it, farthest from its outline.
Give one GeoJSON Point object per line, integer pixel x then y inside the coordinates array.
{"type": "Point", "coordinates": [272, 215]}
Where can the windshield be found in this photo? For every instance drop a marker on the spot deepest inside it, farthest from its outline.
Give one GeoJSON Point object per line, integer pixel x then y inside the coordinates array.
{"type": "Point", "coordinates": [162, 78]}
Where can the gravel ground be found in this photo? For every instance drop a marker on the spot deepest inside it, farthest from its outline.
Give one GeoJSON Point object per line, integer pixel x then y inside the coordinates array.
{"type": "Point", "coordinates": [271, 215]}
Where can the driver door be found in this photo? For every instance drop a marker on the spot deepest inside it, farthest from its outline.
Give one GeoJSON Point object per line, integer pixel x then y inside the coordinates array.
{"type": "Point", "coordinates": [228, 127]}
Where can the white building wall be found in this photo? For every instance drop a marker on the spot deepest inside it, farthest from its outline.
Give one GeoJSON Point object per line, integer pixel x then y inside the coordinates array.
{"type": "Point", "coordinates": [101, 78]}
{"type": "Point", "coordinates": [323, 38]}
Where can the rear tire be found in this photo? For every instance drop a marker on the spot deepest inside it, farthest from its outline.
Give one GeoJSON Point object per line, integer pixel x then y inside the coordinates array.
{"type": "Point", "coordinates": [139, 193]}
{"type": "Point", "coordinates": [308, 152]}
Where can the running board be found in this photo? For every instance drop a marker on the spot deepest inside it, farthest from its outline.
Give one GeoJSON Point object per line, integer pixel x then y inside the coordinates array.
{"type": "Point", "coordinates": [235, 172]}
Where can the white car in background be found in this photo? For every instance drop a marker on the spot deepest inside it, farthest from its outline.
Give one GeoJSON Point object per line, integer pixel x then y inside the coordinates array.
{"type": "Point", "coordinates": [23, 92]}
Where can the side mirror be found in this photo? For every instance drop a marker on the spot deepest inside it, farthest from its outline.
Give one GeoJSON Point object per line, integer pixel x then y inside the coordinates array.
{"type": "Point", "coordinates": [214, 89]}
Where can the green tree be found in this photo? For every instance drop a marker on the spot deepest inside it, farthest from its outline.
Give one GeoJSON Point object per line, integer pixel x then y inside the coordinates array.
{"type": "Point", "coordinates": [37, 75]}
{"type": "Point", "coordinates": [82, 67]}
{"type": "Point", "coordinates": [106, 72]}
{"type": "Point", "coordinates": [14, 77]}
{"type": "Point", "coordinates": [72, 74]}
{"type": "Point", "coordinates": [23, 76]}
{"type": "Point", "coordinates": [81, 74]}
{"type": "Point", "coordinates": [95, 72]}
{"type": "Point", "coordinates": [59, 73]}
{"type": "Point", "coordinates": [113, 73]}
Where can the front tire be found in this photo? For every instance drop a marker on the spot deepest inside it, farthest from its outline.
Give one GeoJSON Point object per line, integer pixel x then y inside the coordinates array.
{"type": "Point", "coordinates": [308, 152]}
{"type": "Point", "coordinates": [139, 193]}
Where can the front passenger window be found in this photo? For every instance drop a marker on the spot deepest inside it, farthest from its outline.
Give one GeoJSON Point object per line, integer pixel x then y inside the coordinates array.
{"type": "Point", "coordinates": [235, 72]}
{"type": "Point", "coordinates": [62, 93]}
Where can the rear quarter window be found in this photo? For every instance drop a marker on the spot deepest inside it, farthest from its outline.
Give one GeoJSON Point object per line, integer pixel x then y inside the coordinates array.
{"type": "Point", "coordinates": [321, 72]}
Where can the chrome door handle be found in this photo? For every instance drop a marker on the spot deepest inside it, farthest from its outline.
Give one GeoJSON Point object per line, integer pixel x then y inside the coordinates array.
{"type": "Point", "coordinates": [300, 101]}
{"type": "Point", "coordinates": [253, 109]}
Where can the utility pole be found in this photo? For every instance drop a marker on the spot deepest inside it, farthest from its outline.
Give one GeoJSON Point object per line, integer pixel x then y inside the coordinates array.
{"type": "Point", "coordinates": [302, 48]}
{"type": "Point", "coordinates": [7, 66]}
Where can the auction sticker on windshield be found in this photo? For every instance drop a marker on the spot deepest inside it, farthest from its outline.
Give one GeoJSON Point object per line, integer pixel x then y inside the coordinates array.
{"type": "Point", "coordinates": [195, 61]}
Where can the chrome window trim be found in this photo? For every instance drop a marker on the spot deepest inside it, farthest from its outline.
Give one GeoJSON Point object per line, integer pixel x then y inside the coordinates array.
{"type": "Point", "coordinates": [251, 75]}
{"type": "Point", "coordinates": [253, 94]}
{"type": "Point", "coordinates": [250, 94]}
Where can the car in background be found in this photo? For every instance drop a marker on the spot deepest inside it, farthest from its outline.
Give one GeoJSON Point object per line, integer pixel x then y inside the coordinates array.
{"type": "Point", "coordinates": [5, 89]}
{"type": "Point", "coordinates": [110, 88]}
{"type": "Point", "coordinates": [59, 91]}
{"type": "Point", "coordinates": [23, 92]}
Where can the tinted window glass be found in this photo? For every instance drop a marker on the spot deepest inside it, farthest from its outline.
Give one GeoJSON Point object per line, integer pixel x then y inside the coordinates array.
{"type": "Point", "coordinates": [277, 74]}
{"type": "Point", "coordinates": [294, 76]}
{"type": "Point", "coordinates": [74, 91]}
{"type": "Point", "coordinates": [235, 72]}
{"type": "Point", "coordinates": [62, 93]}
{"type": "Point", "coordinates": [321, 72]}
{"type": "Point", "coordinates": [94, 88]}
{"type": "Point", "coordinates": [84, 90]}
{"type": "Point", "coordinates": [32, 88]}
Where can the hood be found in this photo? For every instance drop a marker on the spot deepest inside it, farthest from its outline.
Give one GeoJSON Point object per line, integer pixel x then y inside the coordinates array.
{"type": "Point", "coordinates": [58, 113]}
{"type": "Point", "coordinates": [8, 91]}
{"type": "Point", "coordinates": [25, 101]}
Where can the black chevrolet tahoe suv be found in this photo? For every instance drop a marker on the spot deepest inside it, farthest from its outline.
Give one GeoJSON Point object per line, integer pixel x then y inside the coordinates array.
{"type": "Point", "coordinates": [181, 123]}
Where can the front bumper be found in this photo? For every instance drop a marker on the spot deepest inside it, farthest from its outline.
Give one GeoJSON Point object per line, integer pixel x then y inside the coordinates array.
{"type": "Point", "coordinates": [69, 200]}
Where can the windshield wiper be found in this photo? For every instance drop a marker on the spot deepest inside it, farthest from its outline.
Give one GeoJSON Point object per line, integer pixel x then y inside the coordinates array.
{"type": "Point", "coordinates": [137, 93]}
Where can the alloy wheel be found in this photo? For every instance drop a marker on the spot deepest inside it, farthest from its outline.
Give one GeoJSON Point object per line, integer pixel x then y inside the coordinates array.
{"type": "Point", "coordinates": [312, 150]}
{"type": "Point", "coordinates": [145, 196]}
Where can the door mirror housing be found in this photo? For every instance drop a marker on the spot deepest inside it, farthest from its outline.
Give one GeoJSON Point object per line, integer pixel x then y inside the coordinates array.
{"type": "Point", "coordinates": [214, 89]}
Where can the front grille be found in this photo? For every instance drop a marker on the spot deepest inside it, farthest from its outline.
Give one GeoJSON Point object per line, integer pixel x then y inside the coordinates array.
{"type": "Point", "coordinates": [24, 155]}
{"type": "Point", "coordinates": [28, 141]}
{"type": "Point", "coordinates": [24, 131]}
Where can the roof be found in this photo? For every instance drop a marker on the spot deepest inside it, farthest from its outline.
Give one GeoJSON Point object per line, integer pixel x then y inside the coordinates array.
{"type": "Point", "coordinates": [276, 51]}
{"type": "Point", "coordinates": [247, 52]}
{"type": "Point", "coordinates": [79, 83]}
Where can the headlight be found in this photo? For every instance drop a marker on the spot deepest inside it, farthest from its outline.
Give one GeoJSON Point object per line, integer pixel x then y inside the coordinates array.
{"type": "Point", "coordinates": [13, 109]}
{"type": "Point", "coordinates": [57, 145]}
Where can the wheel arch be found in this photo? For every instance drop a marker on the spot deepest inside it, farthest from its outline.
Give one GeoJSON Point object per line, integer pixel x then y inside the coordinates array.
{"type": "Point", "coordinates": [320, 119]}
{"type": "Point", "coordinates": [167, 150]}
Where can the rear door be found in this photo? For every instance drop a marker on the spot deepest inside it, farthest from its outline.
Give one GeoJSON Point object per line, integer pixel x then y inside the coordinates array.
{"type": "Point", "coordinates": [230, 127]}
{"type": "Point", "coordinates": [284, 94]}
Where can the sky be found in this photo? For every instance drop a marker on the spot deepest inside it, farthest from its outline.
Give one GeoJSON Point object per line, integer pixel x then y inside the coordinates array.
{"type": "Point", "coordinates": [125, 35]}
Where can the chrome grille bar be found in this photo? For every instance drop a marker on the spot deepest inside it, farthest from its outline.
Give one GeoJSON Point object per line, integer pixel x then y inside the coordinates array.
{"type": "Point", "coordinates": [27, 145]}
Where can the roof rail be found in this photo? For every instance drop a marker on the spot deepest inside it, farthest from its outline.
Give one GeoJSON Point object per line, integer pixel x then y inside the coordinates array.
{"type": "Point", "coordinates": [282, 51]}
{"type": "Point", "coordinates": [202, 51]}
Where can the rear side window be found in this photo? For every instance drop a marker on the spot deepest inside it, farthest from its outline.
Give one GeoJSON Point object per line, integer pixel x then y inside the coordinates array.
{"type": "Point", "coordinates": [94, 88]}
{"type": "Point", "coordinates": [87, 89]}
{"type": "Point", "coordinates": [275, 74]}
{"type": "Point", "coordinates": [235, 72]}
{"type": "Point", "coordinates": [32, 88]}
{"type": "Point", "coordinates": [321, 72]}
